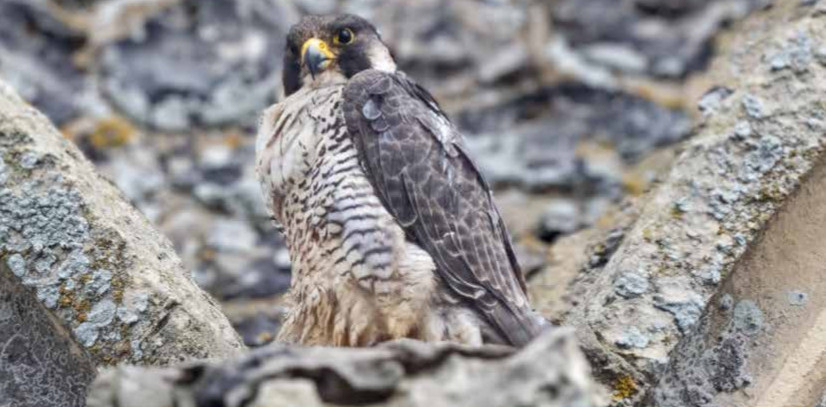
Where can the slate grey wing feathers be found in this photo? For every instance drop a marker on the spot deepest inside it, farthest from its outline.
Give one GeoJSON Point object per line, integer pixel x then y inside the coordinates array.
{"type": "Point", "coordinates": [416, 161]}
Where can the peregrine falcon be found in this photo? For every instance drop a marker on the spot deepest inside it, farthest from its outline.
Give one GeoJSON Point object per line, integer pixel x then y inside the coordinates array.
{"type": "Point", "coordinates": [391, 228]}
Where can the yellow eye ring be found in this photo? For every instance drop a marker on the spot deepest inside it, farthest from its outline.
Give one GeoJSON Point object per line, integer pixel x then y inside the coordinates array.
{"type": "Point", "coordinates": [344, 36]}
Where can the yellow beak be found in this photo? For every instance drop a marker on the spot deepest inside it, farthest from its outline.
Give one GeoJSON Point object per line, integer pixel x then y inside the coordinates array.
{"type": "Point", "coordinates": [316, 55]}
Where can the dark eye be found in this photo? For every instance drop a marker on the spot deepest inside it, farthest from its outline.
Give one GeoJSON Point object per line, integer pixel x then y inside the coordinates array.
{"type": "Point", "coordinates": [344, 36]}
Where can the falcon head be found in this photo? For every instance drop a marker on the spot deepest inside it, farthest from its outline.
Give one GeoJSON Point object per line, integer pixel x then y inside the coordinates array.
{"type": "Point", "coordinates": [328, 49]}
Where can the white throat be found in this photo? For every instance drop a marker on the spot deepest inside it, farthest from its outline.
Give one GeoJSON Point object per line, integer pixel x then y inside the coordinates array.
{"type": "Point", "coordinates": [325, 78]}
{"type": "Point", "coordinates": [380, 59]}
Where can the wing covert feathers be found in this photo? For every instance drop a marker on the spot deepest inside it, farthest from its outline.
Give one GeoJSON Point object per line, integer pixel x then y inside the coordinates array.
{"type": "Point", "coordinates": [416, 161]}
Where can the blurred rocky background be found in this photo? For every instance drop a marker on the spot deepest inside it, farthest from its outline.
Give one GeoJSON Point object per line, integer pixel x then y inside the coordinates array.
{"type": "Point", "coordinates": [570, 106]}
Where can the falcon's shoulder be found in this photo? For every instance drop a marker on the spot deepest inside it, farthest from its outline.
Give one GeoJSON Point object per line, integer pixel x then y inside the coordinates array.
{"type": "Point", "coordinates": [416, 160]}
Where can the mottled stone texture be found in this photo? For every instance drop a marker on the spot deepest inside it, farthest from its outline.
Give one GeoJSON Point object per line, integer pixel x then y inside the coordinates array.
{"type": "Point", "coordinates": [71, 245]}
{"type": "Point", "coordinates": [40, 364]}
{"type": "Point", "coordinates": [549, 372]}
{"type": "Point", "coordinates": [762, 134]}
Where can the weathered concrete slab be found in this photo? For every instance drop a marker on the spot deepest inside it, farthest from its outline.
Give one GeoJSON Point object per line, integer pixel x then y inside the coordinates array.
{"type": "Point", "coordinates": [108, 287]}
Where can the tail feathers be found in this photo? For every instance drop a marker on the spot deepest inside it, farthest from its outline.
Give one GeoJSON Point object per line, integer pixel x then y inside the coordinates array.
{"type": "Point", "coordinates": [518, 327]}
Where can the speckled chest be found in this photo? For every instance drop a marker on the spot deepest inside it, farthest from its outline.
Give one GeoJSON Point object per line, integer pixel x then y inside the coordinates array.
{"type": "Point", "coordinates": [333, 221]}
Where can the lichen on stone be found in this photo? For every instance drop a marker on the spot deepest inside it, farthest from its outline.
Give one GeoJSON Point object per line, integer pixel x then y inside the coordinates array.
{"type": "Point", "coordinates": [48, 243]}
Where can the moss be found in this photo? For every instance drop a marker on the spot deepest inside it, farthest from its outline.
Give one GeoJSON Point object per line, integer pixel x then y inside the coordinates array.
{"type": "Point", "coordinates": [624, 387]}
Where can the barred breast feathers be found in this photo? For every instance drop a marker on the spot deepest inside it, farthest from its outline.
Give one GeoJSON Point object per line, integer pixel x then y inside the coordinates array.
{"type": "Point", "coordinates": [355, 278]}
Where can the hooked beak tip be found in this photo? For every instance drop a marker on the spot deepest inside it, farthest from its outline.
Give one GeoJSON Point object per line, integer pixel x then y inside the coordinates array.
{"type": "Point", "coordinates": [316, 56]}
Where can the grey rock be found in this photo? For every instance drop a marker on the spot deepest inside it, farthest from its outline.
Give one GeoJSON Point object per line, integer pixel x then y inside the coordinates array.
{"type": "Point", "coordinates": [514, 147]}
{"type": "Point", "coordinates": [797, 298]}
{"type": "Point", "coordinates": [258, 330]}
{"type": "Point", "coordinates": [713, 99]}
{"type": "Point", "coordinates": [443, 43]}
{"type": "Point", "coordinates": [231, 235]}
{"type": "Point", "coordinates": [795, 55]}
{"type": "Point", "coordinates": [36, 53]}
{"type": "Point", "coordinates": [548, 372]}
{"type": "Point", "coordinates": [71, 244]}
{"type": "Point", "coordinates": [820, 54]}
{"type": "Point", "coordinates": [746, 161]}
{"type": "Point", "coordinates": [633, 338]}
{"type": "Point", "coordinates": [199, 63]}
{"type": "Point", "coordinates": [674, 37]}
{"type": "Point", "coordinates": [41, 364]}
{"type": "Point", "coordinates": [722, 366]}
{"type": "Point", "coordinates": [631, 284]}
{"type": "Point", "coordinates": [753, 106]}
{"type": "Point", "coordinates": [617, 57]}
{"type": "Point", "coordinates": [561, 216]}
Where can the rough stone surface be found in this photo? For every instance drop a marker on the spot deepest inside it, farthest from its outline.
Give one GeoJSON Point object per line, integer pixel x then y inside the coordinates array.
{"type": "Point", "coordinates": [161, 95]}
{"type": "Point", "coordinates": [549, 372]}
{"type": "Point", "coordinates": [759, 342]}
{"type": "Point", "coordinates": [665, 38]}
{"type": "Point", "coordinates": [40, 363]}
{"type": "Point", "coordinates": [93, 264]}
{"type": "Point", "coordinates": [514, 147]}
{"type": "Point", "coordinates": [199, 63]}
{"type": "Point", "coordinates": [36, 52]}
{"type": "Point", "coordinates": [645, 291]}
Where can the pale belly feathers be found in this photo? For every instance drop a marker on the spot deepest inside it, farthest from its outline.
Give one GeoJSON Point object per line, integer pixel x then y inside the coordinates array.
{"type": "Point", "coordinates": [356, 280]}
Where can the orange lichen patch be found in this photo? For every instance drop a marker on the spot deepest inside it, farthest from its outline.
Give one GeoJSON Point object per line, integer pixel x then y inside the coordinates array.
{"type": "Point", "coordinates": [624, 388]}
{"type": "Point", "coordinates": [606, 220]}
{"type": "Point", "coordinates": [82, 306]}
{"type": "Point", "coordinates": [665, 94]}
{"type": "Point", "coordinates": [112, 132]}
{"type": "Point", "coordinates": [533, 243]}
{"type": "Point", "coordinates": [67, 297]}
{"type": "Point", "coordinates": [234, 140]}
{"type": "Point", "coordinates": [208, 254]}
{"type": "Point", "coordinates": [264, 337]}
{"type": "Point", "coordinates": [65, 301]}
